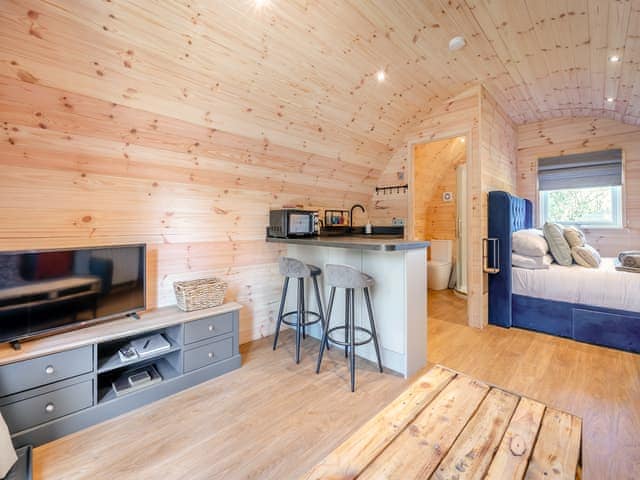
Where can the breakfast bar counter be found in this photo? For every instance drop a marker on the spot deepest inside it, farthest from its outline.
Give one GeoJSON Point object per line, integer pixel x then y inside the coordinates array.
{"type": "Point", "coordinates": [399, 295]}
{"type": "Point", "coordinates": [385, 243]}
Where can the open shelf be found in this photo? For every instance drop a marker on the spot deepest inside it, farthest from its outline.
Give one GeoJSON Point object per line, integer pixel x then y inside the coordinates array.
{"type": "Point", "coordinates": [112, 361]}
{"type": "Point", "coordinates": [165, 368]}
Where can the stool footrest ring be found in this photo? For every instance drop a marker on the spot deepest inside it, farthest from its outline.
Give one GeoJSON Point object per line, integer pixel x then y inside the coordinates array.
{"type": "Point", "coordinates": [303, 323]}
{"type": "Point", "coordinates": [343, 343]}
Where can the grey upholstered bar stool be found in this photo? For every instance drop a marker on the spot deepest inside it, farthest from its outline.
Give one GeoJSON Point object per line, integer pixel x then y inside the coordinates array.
{"type": "Point", "coordinates": [293, 268]}
{"type": "Point", "coordinates": [344, 276]}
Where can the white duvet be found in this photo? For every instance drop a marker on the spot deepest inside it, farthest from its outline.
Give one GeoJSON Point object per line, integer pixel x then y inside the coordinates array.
{"type": "Point", "coordinates": [601, 287]}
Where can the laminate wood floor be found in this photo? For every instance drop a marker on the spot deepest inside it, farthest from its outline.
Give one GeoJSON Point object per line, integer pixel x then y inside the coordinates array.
{"type": "Point", "coordinates": [273, 419]}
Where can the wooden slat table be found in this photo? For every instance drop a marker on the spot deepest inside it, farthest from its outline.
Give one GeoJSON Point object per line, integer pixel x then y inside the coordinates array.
{"type": "Point", "coordinates": [449, 426]}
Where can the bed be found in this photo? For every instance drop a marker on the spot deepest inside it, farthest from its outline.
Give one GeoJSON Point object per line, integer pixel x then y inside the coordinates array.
{"type": "Point", "coordinates": [599, 306]}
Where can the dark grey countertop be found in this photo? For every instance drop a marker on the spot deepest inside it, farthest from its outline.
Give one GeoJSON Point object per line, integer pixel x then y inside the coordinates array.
{"type": "Point", "coordinates": [383, 243]}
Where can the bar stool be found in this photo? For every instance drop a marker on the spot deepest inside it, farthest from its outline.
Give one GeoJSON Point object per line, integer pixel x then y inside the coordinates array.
{"type": "Point", "coordinates": [344, 276]}
{"type": "Point", "coordinates": [293, 268]}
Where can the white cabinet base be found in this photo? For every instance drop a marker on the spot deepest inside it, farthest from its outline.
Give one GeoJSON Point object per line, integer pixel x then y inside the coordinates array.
{"type": "Point", "coordinates": [399, 300]}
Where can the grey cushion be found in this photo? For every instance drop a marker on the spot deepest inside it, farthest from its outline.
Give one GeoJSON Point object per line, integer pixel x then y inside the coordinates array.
{"type": "Point", "coordinates": [560, 249]}
{"type": "Point", "coordinates": [294, 268]}
{"type": "Point", "coordinates": [344, 276]}
{"type": "Point", "coordinates": [574, 237]}
{"type": "Point", "coordinates": [529, 242]}
{"type": "Point", "coordinates": [586, 255]}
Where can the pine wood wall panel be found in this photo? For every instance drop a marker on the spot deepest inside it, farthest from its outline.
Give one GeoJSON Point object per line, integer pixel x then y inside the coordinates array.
{"type": "Point", "coordinates": [493, 142]}
{"type": "Point", "coordinates": [460, 116]}
{"type": "Point", "coordinates": [75, 174]}
{"type": "Point", "coordinates": [564, 136]}
{"type": "Point", "coordinates": [498, 144]}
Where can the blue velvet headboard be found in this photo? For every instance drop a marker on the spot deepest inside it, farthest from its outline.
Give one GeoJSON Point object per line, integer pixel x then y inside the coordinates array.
{"type": "Point", "coordinates": [507, 214]}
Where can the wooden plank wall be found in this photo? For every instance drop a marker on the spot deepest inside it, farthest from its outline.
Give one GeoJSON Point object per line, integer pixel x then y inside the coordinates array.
{"type": "Point", "coordinates": [492, 166]}
{"type": "Point", "coordinates": [456, 117]}
{"type": "Point", "coordinates": [577, 135]}
{"type": "Point", "coordinates": [78, 171]}
{"type": "Point", "coordinates": [498, 142]}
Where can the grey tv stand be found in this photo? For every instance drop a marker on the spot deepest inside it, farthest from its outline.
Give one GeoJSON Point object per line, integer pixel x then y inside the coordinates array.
{"type": "Point", "coordinates": [61, 384]}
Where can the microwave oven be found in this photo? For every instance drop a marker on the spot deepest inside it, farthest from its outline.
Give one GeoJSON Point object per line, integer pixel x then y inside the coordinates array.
{"type": "Point", "coordinates": [288, 223]}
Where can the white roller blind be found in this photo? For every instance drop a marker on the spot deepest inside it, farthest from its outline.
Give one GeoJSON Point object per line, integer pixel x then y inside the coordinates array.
{"type": "Point", "coordinates": [593, 169]}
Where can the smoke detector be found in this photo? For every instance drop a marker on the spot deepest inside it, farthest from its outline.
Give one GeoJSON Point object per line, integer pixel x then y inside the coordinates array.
{"type": "Point", "coordinates": [456, 43]}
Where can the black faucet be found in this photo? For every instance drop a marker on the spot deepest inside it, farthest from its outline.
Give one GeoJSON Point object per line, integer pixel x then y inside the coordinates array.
{"type": "Point", "coordinates": [357, 205]}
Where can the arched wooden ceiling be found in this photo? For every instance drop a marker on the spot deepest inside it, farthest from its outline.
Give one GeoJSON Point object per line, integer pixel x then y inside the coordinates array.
{"type": "Point", "coordinates": [302, 73]}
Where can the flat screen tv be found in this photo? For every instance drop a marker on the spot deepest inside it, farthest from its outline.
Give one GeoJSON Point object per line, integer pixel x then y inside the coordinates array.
{"type": "Point", "coordinates": [46, 291]}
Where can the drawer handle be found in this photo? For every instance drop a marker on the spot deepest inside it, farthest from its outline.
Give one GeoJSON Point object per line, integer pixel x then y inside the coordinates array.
{"type": "Point", "coordinates": [210, 354]}
{"type": "Point", "coordinates": [49, 407]}
{"type": "Point", "coordinates": [211, 328]}
{"type": "Point", "coordinates": [49, 370]}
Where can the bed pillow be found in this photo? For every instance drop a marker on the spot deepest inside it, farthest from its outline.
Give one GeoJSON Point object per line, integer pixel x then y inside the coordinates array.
{"type": "Point", "coordinates": [587, 256]}
{"type": "Point", "coordinates": [574, 237]}
{"type": "Point", "coordinates": [560, 249]}
{"type": "Point", "coordinates": [530, 242]}
{"type": "Point", "coordinates": [532, 263]}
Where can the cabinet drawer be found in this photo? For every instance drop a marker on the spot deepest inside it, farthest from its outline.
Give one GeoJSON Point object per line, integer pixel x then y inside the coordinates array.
{"type": "Point", "coordinates": [208, 354]}
{"type": "Point", "coordinates": [208, 328]}
{"type": "Point", "coordinates": [49, 406]}
{"type": "Point", "coordinates": [36, 372]}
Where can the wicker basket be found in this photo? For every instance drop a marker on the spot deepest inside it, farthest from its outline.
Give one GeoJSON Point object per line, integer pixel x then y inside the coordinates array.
{"type": "Point", "coordinates": [198, 294]}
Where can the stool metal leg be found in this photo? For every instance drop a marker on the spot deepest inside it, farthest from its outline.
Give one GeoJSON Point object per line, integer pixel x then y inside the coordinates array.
{"type": "Point", "coordinates": [352, 342]}
{"type": "Point", "coordinates": [323, 322]}
{"type": "Point", "coordinates": [325, 335]}
{"type": "Point", "coordinates": [281, 311]}
{"type": "Point", "coordinates": [299, 316]}
{"type": "Point", "coordinates": [347, 311]}
{"type": "Point", "coordinates": [374, 335]}
{"type": "Point", "coordinates": [303, 321]}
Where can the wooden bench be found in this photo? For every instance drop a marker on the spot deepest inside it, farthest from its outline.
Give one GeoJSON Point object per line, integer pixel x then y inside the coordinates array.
{"type": "Point", "coordinates": [449, 426]}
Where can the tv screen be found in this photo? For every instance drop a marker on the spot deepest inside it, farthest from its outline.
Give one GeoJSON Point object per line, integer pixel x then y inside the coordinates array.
{"type": "Point", "coordinates": [48, 290]}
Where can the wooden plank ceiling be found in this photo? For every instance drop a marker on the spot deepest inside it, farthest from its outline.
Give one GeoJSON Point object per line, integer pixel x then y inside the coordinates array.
{"type": "Point", "coordinates": [302, 73]}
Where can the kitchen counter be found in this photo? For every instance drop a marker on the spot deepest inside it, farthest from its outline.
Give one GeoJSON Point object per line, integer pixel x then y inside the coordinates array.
{"type": "Point", "coordinates": [385, 243]}
{"type": "Point", "coordinates": [399, 296]}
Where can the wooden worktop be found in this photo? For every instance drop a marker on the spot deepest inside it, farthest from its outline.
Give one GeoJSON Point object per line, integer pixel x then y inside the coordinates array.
{"type": "Point", "coordinates": [384, 243]}
{"type": "Point", "coordinates": [109, 330]}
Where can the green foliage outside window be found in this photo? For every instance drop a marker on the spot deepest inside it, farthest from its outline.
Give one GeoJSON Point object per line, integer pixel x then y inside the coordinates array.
{"type": "Point", "coordinates": [581, 205]}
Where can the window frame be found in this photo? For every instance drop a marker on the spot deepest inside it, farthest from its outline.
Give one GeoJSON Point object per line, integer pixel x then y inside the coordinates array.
{"type": "Point", "coordinates": [617, 207]}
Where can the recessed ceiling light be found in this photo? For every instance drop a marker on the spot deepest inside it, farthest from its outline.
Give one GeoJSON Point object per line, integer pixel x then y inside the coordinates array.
{"type": "Point", "coordinates": [261, 3]}
{"type": "Point", "coordinates": [614, 58]}
{"type": "Point", "coordinates": [462, 139]}
{"type": "Point", "coordinates": [610, 99]}
{"type": "Point", "coordinates": [456, 43]}
{"type": "Point", "coordinates": [381, 75]}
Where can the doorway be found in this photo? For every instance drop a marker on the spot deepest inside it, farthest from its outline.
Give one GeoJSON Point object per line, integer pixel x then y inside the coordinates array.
{"type": "Point", "coordinates": [438, 211]}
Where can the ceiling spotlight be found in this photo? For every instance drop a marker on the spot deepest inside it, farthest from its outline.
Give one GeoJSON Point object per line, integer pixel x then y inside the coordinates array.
{"type": "Point", "coordinates": [456, 43]}
{"type": "Point", "coordinates": [614, 58]}
{"type": "Point", "coordinates": [261, 3]}
{"type": "Point", "coordinates": [462, 139]}
{"type": "Point", "coordinates": [610, 99]}
{"type": "Point", "coordinates": [381, 75]}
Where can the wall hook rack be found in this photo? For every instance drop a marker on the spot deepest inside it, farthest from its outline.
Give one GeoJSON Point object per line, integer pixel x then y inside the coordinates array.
{"type": "Point", "coordinates": [392, 188]}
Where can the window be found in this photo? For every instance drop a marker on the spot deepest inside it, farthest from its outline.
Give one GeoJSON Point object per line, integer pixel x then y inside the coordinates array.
{"type": "Point", "coordinates": [583, 190]}
{"type": "Point", "coordinates": [596, 207]}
